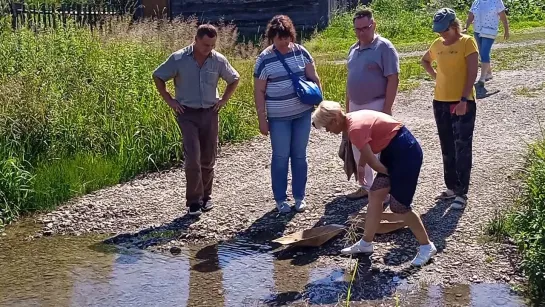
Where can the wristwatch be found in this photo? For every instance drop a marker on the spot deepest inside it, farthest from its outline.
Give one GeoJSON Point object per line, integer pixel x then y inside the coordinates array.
{"type": "Point", "coordinates": [463, 99]}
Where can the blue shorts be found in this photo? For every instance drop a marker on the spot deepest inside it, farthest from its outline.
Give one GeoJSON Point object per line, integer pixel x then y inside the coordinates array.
{"type": "Point", "coordinates": [403, 158]}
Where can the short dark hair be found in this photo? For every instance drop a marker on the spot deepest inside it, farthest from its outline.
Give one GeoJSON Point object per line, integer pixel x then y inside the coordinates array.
{"type": "Point", "coordinates": [208, 30]}
{"type": "Point", "coordinates": [362, 14]}
{"type": "Point", "coordinates": [282, 26]}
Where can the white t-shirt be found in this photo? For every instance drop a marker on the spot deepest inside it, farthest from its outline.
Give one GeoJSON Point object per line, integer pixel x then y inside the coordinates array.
{"type": "Point", "coordinates": [486, 21]}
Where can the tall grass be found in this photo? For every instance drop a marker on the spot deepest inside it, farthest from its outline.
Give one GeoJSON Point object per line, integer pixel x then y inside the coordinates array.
{"type": "Point", "coordinates": [79, 111]}
{"type": "Point", "coordinates": [525, 222]}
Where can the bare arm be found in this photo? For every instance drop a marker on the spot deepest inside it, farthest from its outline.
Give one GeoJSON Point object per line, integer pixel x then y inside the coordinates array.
{"type": "Point", "coordinates": [260, 87]}
{"type": "Point", "coordinates": [312, 74]}
{"type": "Point", "coordinates": [391, 92]}
{"type": "Point", "coordinates": [229, 90]}
{"type": "Point", "coordinates": [346, 101]}
{"type": "Point", "coordinates": [426, 63]}
{"type": "Point", "coordinates": [469, 21]}
{"type": "Point", "coordinates": [259, 97]}
{"type": "Point", "coordinates": [505, 23]}
{"type": "Point", "coordinates": [368, 157]}
{"type": "Point", "coordinates": [472, 62]}
{"type": "Point", "coordinates": [162, 89]}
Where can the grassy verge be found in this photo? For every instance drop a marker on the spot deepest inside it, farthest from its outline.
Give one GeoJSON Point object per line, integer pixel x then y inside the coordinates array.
{"type": "Point", "coordinates": [530, 91]}
{"type": "Point", "coordinates": [79, 111]}
{"type": "Point", "coordinates": [524, 223]}
{"type": "Point", "coordinates": [407, 23]}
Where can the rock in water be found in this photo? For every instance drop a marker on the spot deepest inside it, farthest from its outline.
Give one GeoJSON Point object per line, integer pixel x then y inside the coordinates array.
{"type": "Point", "coordinates": [175, 250]}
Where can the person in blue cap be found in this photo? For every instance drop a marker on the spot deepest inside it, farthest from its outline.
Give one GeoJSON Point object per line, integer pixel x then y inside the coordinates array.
{"type": "Point", "coordinates": [457, 58]}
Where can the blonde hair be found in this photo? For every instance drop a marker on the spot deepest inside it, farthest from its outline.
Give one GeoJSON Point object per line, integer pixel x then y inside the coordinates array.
{"type": "Point", "coordinates": [326, 112]}
{"type": "Point", "coordinates": [456, 24]}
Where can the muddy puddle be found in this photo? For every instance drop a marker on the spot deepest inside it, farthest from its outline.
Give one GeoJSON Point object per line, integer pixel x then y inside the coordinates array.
{"type": "Point", "coordinates": [82, 271]}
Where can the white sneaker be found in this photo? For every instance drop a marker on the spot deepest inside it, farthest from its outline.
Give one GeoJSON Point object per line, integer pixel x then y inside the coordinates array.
{"type": "Point", "coordinates": [459, 203]}
{"type": "Point", "coordinates": [425, 252]}
{"type": "Point", "coordinates": [283, 207]}
{"type": "Point", "coordinates": [300, 205]}
{"type": "Point", "coordinates": [359, 247]}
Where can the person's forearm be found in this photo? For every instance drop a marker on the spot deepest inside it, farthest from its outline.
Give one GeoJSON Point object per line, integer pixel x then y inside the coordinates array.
{"type": "Point", "coordinates": [229, 90]}
{"type": "Point", "coordinates": [472, 71]}
{"type": "Point", "coordinates": [368, 158]}
{"type": "Point", "coordinates": [259, 98]}
{"type": "Point", "coordinates": [347, 102]}
{"type": "Point", "coordinates": [391, 92]}
{"type": "Point", "coordinates": [429, 69]}
{"type": "Point", "coordinates": [377, 166]}
{"type": "Point", "coordinates": [469, 21]}
{"type": "Point", "coordinates": [505, 22]}
{"type": "Point", "coordinates": [162, 88]}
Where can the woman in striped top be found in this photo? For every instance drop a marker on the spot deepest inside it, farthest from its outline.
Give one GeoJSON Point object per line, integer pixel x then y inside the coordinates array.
{"type": "Point", "coordinates": [281, 113]}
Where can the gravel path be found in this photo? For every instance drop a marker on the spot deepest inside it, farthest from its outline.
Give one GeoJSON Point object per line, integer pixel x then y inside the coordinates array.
{"type": "Point", "coordinates": [153, 204]}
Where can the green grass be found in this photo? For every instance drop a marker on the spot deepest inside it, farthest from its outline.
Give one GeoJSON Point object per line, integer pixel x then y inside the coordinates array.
{"type": "Point", "coordinates": [530, 91]}
{"type": "Point", "coordinates": [525, 221]}
{"type": "Point", "coordinates": [407, 23]}
{"type": "Point", "coordinates": [79, 111]}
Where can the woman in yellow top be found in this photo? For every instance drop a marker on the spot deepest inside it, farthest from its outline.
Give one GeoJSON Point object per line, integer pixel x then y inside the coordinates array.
{"type": "Point", "coordinates": [457, 60]}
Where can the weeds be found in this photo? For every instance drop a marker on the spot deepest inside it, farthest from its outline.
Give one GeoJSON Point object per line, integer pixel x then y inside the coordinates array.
{"type": "Point", "coordinates": [530, 91]}
{"type": "Point", "coordinates": [78, 110]}
{"type": "Point", "coordinates": [525, 222]}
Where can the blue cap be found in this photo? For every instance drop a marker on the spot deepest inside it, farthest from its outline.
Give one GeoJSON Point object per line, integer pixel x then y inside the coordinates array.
{"type": "Point", "coordinates": [442, 19]}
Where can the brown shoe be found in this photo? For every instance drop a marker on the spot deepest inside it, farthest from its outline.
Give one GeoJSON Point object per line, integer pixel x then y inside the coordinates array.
{"type": "Point", "coordinates": [358, 194]}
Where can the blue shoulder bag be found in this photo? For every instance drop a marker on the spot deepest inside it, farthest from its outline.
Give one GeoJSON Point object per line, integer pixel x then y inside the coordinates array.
{"type": "Point", "coordinates": [307, 91]}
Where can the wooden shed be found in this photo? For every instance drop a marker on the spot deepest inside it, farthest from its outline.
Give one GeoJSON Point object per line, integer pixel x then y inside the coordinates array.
{"type": "Point", "coordinates": [250, 16]}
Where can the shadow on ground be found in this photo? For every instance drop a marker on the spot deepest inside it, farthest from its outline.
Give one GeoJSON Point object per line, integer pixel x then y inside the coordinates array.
{"type": "Point", "coordinates": [482, 92]}
{"type": "Point", "coordinates": [371, 282]}
{"type": "Point", "coordinates": [154, 236]}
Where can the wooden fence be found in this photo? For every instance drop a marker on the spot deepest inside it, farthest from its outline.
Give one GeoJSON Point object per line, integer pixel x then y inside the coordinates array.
{"type": "Point", "coordinates": [248, 18]}
{"type": "Point", "coordinates": [93, 16]}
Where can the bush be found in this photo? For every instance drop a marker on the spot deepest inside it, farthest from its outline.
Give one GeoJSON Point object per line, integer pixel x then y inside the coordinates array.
{"type": "Point", "coordinates": [526, 223]}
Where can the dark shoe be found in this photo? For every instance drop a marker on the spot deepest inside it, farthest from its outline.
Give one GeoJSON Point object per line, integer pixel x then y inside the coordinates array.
{"type": "Point", "coordinates": [207, 205]}
{"type": "Point", "coordinates": [195, 209]}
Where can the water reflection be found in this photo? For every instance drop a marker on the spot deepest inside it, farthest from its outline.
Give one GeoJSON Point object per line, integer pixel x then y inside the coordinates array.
{"type": "Point", "coordinates": [474, 295]}
{"type": "Point", "coordinates": [135, 279]}
{"type": "Point", "coordinates": [76, 271]}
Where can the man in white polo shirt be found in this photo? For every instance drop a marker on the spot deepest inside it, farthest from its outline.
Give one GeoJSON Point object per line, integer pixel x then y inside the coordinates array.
{"type": "Point", "coordinates": [373, 79]}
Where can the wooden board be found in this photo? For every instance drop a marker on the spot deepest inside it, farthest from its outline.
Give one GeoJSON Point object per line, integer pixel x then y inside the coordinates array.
{"type": "Point", "coordinates": [312, 237]}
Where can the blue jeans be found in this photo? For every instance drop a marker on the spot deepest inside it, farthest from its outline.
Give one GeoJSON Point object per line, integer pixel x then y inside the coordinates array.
{"type": "Point", "coordinates": [289, 140]}
{"type": "Point", "coordinates": [485, 46]}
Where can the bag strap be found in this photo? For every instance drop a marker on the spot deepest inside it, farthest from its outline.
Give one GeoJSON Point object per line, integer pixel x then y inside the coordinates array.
{"type": "Point", "coordinates": [281, 58]}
